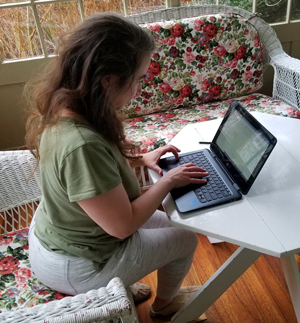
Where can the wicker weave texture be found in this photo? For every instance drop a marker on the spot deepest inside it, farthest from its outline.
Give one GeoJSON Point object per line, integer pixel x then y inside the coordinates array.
{"type": "Point", "coordinates": [19, 182]}
{"type": "Point", "coordinates": [20, 189]}
{"type": "Point", "coordinates": [110, 304]}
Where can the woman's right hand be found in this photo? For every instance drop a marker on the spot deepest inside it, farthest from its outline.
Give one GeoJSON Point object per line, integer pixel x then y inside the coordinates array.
{"type": "Point", "coordinates": [184, 175]}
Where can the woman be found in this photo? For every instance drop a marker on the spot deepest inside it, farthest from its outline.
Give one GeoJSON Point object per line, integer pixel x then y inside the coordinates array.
{"type": "Point", "coordinates": [93, 224]}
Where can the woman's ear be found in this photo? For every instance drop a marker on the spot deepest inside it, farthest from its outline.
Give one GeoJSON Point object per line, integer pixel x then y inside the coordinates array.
{"type": "Point", "coordinates": [108, 81]}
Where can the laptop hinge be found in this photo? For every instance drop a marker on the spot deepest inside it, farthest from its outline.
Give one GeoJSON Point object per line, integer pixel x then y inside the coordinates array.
{"type": "Point", "coordinates": [234, 184]}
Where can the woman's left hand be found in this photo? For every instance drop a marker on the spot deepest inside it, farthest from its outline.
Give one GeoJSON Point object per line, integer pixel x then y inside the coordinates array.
{"type": "Point", "coordinates": [152, 158]}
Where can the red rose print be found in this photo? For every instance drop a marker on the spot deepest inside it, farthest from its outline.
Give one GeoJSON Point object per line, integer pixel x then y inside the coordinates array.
{"type": "Point", "coordinates": [137, 108]}
{"type": "Point", "coordinates": [8, 264]}
{"type": "Point", "coordinates": [43, 292]}
{"type": "Point", "coordinates": [201, 59]}
{"type": "Point", "coordinates": [208, 97]}
{"type": "Point", "coordinates": [215, 90]}
{"type": "Point", "coordinates": [58, 295]}
{"type": "Point", "coordinates": [188, 57]}
{"type": "Point", "coordinates": [257, 73]}
{"type": "Point", "coordinates": [154, 68]}
{"type": "Point", "coordinates": [198, 23]}
{"type": "Point", "coordinates": [148, 96]}
{"type": "Point", "coordinates": [171, 41]}
{"type": "Point", "coordinates": [186, 91]}
{"type": "Point", "coordinates": [203, 119]}
{"type": "Point", "coordinates": [178, 100]}
{"type": "Point", "coordinates": [205, 85]}
{"type": "Point", "coordinates": [156, 56]}
{"type": "Point", "coordinates": [240, 53]}
{"type": "Point", "coordinates": [256, 41]}
{"type": "Point", "coordinates": [235, 74]}
{"type": "Point", "coordinates": [234, 63]}
{"type": "Point", "coordinates": [23, 273]}
{"type": "Point", "coordinates": [177, 30]}
{"type": "Point", "coordinates": [149, 77]}
{"type": "Point", "coordinates": [251, 97]}
{"type": "Point", "coordinates": [139, 119]}
{"type": "Point", "coordinates": [169, 116]}
{"type": "Point", "coordinates": [211, 30]}
{"type": "Point", "coordinates": [220, 51]}
{"type": "Point", "coordinates": [143, 149]}
{"type": "Point", "coordinates": [203, 39]}
{"type": "Point", "coordinates": [174, 52]}
{"type": "Point", "coordinates": [194, 41]}
{"type": "Point", "coordinates": [165, 87]}
{"type": "Point", "coordinates": [154, 28]}
{"type": "Point", "coordinates": [5, 240]}
{"type": "Point", "coordinates": [149, 141]}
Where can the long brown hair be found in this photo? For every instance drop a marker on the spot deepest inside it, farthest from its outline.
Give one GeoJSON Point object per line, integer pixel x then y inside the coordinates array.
{"type": "Point", "coordinates": [104, 44]}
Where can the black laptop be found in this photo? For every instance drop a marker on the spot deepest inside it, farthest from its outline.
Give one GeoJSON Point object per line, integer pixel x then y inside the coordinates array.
{"type": "Point", "coordinates": [237, 153]}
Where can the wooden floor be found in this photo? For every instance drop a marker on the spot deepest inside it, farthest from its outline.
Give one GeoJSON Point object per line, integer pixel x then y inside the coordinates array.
{"type": "Point", "coordinates": [260, 295]}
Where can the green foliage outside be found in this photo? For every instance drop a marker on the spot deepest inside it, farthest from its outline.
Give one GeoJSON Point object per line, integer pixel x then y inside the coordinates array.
{"type": "Point", "coordinates": [272, 11]}
{"type": "Point", "coordinates": [19, 35]}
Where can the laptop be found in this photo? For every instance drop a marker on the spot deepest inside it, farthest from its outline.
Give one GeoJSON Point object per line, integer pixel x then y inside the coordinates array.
{"type": "Point", "coordinates": [237, 154]}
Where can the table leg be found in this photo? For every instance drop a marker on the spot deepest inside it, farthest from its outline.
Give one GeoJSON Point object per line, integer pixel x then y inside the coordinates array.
{"type": "Point", "coordinates": [292, 277]}
{"type": "Point", "coordinates": [221, 280]}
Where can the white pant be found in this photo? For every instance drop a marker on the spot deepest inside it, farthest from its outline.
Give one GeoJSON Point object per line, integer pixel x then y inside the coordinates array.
{"type": "Point", "coordinates": [156, 245]}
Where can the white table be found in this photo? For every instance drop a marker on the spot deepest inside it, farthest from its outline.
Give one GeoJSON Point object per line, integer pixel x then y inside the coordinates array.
{"type": "Point", "coordinates": [265, 221]}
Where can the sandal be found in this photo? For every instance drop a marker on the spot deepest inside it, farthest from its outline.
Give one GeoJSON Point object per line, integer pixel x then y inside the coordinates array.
{"type": "Point", "coordinates": [140, 292]}
{"type": "Point", "coordinates": [185, 293]}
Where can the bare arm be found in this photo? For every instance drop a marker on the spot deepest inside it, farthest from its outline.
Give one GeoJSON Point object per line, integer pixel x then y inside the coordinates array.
{"type": "Point", "coordinates": [151, 159]}
{"type": "Point", "coordinates": [120, 218]}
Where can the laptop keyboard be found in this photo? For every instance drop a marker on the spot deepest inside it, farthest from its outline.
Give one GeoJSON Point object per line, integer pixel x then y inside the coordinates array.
{"type": "Point", "coordinates": [215, 188]}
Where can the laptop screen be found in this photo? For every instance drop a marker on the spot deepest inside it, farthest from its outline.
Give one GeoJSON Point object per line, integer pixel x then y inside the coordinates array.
{"type": "Point", "coordinates": [243, 145]}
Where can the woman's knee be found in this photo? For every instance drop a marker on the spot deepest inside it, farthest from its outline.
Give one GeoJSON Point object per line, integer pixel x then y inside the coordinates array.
{"type": "Point", "coordinates": [192, 240]}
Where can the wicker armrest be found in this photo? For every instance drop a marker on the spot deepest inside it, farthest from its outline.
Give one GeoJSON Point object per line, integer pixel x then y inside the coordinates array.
{"type": "Point", "coordinates": [286, 86]}
{"type": "Point", "coordinates": [102, 305]}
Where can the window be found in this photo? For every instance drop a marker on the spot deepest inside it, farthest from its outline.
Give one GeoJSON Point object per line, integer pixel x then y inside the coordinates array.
{"type": "Point", "coordinates": [29, 29]}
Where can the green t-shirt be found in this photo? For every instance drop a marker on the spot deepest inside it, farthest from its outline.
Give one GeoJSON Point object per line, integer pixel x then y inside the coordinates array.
{"type": "Point", "coordinates": [78, 163]}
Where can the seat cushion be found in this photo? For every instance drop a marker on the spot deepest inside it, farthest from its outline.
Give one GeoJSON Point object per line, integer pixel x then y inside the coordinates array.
{"type": "Point", "coordinates": [19, 288]}
{"type": "Point", "coordinates": [157, 129]}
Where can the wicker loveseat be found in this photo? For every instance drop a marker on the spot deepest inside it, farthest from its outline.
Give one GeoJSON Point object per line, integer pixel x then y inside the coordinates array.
{"type": "Point", "coordinates": [22, 297]}
{"type": "Point", "coordinates": [207, 56]}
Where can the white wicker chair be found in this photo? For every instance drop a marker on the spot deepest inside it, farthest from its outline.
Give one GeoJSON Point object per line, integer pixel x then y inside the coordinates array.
{"type": "Point", "coordinates": [286, 86]}
{"type": "Point", "coordinates": [19, 197]}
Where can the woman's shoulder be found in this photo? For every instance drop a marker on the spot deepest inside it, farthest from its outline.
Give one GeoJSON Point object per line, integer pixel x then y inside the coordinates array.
{"type": "Point", "coordinates": [78, 133]}
{"type": "Point", "coordinates": [70, 135]}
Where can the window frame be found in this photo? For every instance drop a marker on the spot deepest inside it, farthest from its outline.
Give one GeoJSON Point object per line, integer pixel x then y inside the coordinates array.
{"type": "Point", "coordinates": [10, 69]}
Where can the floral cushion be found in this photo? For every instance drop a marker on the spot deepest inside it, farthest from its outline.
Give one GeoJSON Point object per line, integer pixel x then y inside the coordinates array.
{"type": "Point", "coordinates": [19, 288]}
{"type": "Point", "coordinates": [157, 129]}
{"type": "Point", "coordinates": [199, 60]}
